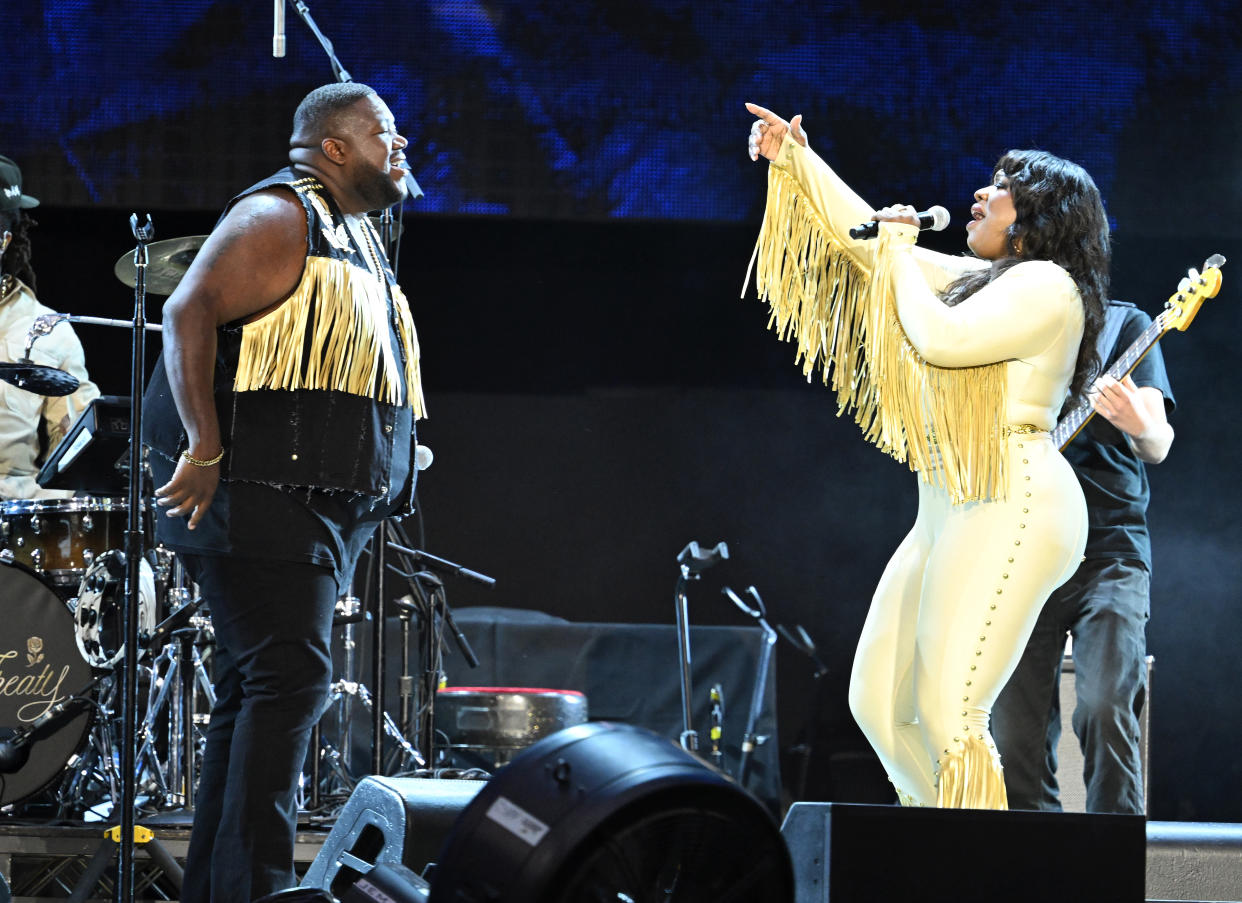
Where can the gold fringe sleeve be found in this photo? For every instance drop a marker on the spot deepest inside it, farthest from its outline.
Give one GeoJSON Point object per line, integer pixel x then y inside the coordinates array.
{"type": "Point", "coordinates": [972, 778]}
{"type": "Point", "coordinates": [332, 333]}
{"type": "Point", "coordinates": [946, 423]}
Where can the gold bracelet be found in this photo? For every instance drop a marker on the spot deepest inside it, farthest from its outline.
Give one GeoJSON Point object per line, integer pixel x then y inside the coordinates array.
{"type": "Point", "coordinates": [199, 462]}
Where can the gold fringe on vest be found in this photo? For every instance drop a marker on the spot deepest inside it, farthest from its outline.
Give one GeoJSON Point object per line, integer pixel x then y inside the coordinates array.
{"type": "Point", "coordinates": [332, 333]}
{"type": "Point", "coordinates": [947, 423]}
{"type": "Point", "coordinates": [972, 778]}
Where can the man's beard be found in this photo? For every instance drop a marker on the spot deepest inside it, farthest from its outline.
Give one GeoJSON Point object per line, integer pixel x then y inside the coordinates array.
{"type": "Point", "coordinates": [379, 190]}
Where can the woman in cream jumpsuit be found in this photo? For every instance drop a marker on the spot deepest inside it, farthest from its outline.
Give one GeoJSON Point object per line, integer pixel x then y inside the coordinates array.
{"type": "Point", "coordinates": [1001, 519]}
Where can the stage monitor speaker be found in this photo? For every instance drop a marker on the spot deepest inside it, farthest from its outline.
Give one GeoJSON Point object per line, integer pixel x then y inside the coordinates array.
{"type": "Point", "coordinates": [1070, 783]}
{"type": "Point", "coordinates": [397, 821]}
{"type": "Point", "coordinates": [612, 812]}
{"type": "Point", "coordinates": [890, 854]}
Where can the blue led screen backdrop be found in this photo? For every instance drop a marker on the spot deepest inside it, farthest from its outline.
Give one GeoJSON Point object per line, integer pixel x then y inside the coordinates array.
{"type": "Point", "coordinates": [599, 108]}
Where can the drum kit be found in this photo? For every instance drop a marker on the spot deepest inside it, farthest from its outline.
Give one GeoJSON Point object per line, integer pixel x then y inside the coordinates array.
{"type": "Point", "coordinates": [62, 585]}
{"type": "Point", "coordinates": [63, 655]}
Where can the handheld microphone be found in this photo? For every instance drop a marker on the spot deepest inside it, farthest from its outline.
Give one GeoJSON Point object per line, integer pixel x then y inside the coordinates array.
{"type": "Point", "coordinates": [278, 29]}
{"type": "Point", "coordinates": [422, 457]}
{"type": "Point", "coordinates": [15, 748]}
{"type": "Point", "coordinates": [934, 218]}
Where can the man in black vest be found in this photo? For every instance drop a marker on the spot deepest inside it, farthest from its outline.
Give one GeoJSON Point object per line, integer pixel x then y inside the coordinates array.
{"type": "Point", "coordinates": [281, 424]}
{"type": "Point", "coordinates": [1104, 606]}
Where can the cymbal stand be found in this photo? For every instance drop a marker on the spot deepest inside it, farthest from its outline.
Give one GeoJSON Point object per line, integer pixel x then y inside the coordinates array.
{"type": "Point", "coordinates": [349, 611]}
{"type": "Point", "coordinates": [342, 695]}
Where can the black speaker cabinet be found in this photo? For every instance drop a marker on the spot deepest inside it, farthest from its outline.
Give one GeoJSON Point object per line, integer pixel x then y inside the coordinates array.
{"type": "Point", "coordinates": [397, 821]}
{"type": "Point", "coordinates": [848, 853]}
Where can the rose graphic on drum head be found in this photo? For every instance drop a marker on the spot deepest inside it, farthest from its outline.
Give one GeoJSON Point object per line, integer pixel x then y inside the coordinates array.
{"type": "Point", "coordinates": [34, 651]}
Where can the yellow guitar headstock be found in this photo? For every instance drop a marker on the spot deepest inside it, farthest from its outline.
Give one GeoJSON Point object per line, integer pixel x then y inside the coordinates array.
{"type": "Point", "coordinates": [1191, 292]}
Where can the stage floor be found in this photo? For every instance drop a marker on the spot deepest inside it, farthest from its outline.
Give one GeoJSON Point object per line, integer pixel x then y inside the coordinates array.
{"type": "Point", "coordinates": [45, 862]}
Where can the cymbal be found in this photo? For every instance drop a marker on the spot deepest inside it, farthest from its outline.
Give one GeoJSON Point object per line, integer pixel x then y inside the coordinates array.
{"type": "Point", "coordinates": [167, 262]}
{"type": "Point", "coordinates": [37, 378]}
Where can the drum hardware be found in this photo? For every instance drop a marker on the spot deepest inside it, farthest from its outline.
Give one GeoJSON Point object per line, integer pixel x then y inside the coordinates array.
{"type": "Point", "coordinates": [759, 613]}
{"type": "Point", "coordinates": [178, 681]}
{"type": "Point", "coordinates": [692, 561]}
{"type": "Point", "coordinates": [405, 757]}
{"type": "Point", "coordinates": [342, 694]}
{"type": "Point", "coordinates": [349, 612]}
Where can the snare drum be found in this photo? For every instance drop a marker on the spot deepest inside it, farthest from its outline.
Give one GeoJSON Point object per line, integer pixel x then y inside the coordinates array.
{"type": "Point", "coordinates": [60, 538]}
{"type": "Point", "coordinates": [40, 666]}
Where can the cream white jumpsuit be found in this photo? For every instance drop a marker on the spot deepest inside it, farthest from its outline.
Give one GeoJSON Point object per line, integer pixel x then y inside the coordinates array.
{"type": "Point", "coordinates": [960, 596]}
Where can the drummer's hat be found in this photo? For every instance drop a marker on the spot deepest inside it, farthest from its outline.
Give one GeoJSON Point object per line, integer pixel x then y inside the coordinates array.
{"type": "Point", "coordinates": [11, 197]}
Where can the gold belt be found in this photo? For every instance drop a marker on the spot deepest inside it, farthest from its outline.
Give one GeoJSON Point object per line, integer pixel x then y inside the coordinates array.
{"type": "Point", "coordinates": [1023, 429]}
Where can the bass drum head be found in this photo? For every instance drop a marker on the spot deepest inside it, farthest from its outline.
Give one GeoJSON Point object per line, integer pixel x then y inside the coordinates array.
{"type": "Point", "coordinates": [40, 665]}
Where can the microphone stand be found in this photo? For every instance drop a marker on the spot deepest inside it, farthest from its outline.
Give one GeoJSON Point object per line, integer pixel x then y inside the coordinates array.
{"type": "Point", "coordinates": [761, 677]}
{"type": "Point", "coordinates": [133, 559]}
{"type": "Point", "coordinates": [692, 561]}
{"type": "Point", "coordinates": [428, 589]}
{"type": "Point", "coordinates": [413, 191]}
{"type": "Point", "coordinates": [342, 76]}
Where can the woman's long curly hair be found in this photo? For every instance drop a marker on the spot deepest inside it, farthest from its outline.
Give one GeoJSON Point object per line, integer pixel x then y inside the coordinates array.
{"type": "Point", "coordinates": [1060, 217]}
{"type": "Point", "coordinates": [16, 259]}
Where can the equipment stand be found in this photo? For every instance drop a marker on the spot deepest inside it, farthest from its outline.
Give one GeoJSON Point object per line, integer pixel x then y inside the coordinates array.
{"type": "Point", "coordinates": [134, 536]}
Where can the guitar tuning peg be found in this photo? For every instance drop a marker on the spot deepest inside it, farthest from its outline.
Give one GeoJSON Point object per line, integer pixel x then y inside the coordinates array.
{"type": "Point", "coordinates": [1216, 260]}
{"type": "Point", "coordinates": [1184, 285]}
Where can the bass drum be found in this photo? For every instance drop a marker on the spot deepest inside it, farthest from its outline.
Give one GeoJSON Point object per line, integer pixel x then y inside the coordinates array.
{"type": "Point", "coordinates": [40, 666]}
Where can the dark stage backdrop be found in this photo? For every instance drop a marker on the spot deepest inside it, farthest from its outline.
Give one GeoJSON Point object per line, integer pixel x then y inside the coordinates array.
{"type": "Point", "coordinates": [599, 396]}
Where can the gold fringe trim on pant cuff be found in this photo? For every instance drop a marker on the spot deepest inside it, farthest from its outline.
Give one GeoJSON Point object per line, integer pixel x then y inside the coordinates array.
{"type": "Point", "coordinates": [972, 778]}
{"type": "Point", "coordinates": [905, 799]}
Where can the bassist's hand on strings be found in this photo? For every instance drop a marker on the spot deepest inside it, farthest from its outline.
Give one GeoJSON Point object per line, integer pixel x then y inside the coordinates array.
{"type": "Point", "coordinates": [1138, 412]}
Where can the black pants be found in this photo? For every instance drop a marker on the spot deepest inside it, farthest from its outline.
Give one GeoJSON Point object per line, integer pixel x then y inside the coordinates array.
{"type": "Point", "coordinates": [1105, 606]}
{"type": "Point", "coordinates": [272, 671]}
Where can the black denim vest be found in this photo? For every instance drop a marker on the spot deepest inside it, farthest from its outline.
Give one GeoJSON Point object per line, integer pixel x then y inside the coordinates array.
{"type": "Point", "coordinates": [314, 438]}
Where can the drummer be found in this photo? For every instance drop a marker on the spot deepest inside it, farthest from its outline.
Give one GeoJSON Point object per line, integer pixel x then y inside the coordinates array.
{"type": "Point", "coordinates": [31, 425]}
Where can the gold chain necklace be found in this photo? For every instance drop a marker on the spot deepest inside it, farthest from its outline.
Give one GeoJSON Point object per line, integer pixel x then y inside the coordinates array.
{"type": "Point", "coordinates": [364, 226]}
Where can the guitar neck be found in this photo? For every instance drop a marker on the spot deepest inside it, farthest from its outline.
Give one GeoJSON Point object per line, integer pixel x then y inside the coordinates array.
{"type": "Point", "coordinates": [1076, 418]}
